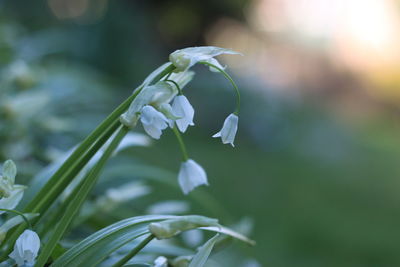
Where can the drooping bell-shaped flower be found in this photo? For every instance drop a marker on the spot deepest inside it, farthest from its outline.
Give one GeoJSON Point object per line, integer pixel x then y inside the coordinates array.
{"type": "Point", "coordinates": [184, 110]}
{"type": "Point", "coordinates": [153, 121]}
{"type": "Point", "coordinates": [184, 59]}
{"type": "Point", "coordinates": [191, 175]}
{"type": "Point", "coordinates": [26, 248]}
{"type": "Point", "coordinates": [229, 129]}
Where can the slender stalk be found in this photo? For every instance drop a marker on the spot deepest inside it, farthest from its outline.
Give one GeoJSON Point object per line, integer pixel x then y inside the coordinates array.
{"type": "Point", "coordinates": [176, 85]}
{"type": "Point", "coordinates": [20, 214]}
{"type": "Point", "coordinates": [181, 143]}
{"type": "Point", "coordinates": [236, 112]}
{"type": "Point", "coordinates": [134, 251]}
{"type": "Point", "coordinates": [79, 199]}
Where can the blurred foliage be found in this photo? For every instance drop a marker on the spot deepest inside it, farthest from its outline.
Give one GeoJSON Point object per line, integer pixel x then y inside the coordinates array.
{"type": "Point", "coordinates": [321, 190]}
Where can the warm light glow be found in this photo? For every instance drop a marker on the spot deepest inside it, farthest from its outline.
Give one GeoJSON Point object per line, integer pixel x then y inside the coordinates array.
{"type": "Point", "coordinates": [360, 35]}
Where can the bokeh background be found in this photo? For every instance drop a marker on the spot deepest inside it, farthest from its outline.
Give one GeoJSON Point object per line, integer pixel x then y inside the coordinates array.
{"type": "Point", "coordinates": [316, 163]}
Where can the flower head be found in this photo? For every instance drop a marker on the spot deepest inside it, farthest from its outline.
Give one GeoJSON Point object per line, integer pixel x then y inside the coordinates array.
{"type": "Point", "coordinates": [184, 59]}
{"type": "Point", "coordinates": [153, 121]}
{"type": "Point", "coordinates": [184, 110]}
{"type": "Point", "coordinates": [156, 95]}
{"type": "Point", "coordinates": [191, 175]}
{"type": "Point", "coordinates": [228, 130]}
{"type": "Point", "coordinates": [26, 248]}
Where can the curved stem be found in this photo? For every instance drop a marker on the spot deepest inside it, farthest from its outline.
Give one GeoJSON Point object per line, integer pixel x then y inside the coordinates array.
{"type": "Point", "coordinates": [20, 214]}
{"type": "Point", "coordinates": [176, 85]}
{"type": "Point", "coordinates": [181, 143]}
{"type": "Point", "coordinates": [236, 112]}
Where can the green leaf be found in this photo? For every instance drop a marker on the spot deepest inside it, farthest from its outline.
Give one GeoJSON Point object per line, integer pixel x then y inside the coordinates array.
{"type": "Point", "coordinates": [79, 198]}
{"type": "Point", "coordinates": [204, 252]}
{"type": "Point", "coordinates": [99, 245]}
{"type": "Point", "coordinates": [227, 231]}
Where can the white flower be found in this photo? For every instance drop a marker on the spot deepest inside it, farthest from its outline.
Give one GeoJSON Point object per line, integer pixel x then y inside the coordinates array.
{"type": "Point", "coordinates": [228, 130]}
{"type": "Point", "coordinates": [184, 110]}
{"type": "Point", "coordinates": [185, 58]}
{"type": "Point", "coordinates": [26, 248]}
{"type": "Point", "coordinates": [161, 261]}
{"type": "Point", "coordinates": [191, 175]}
{"type": "Point", "coordinates": [157, 94]}
{"type": "Point", "coordinates": [153, 121]}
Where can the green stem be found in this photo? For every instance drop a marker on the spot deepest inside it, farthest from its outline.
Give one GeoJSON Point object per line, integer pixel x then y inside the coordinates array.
{"type": "Point", "coordinates": [176, 85]}
{"type": "Point", "coordinates": [236, 112]}
{"type": "Point", "coordinates": [79, 199]}
{"type": "Point", "coordinates": [181, 143]}
{"type": "Point", "coordinates": [20, 214]}
{"type": "Point", "coordinates": [134, 251]}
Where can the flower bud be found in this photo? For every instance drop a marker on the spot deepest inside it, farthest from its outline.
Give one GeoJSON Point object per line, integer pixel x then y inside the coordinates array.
{"type": "Point", "coordinates": [169, 228]}
{"type": "Point", "coordinates": [184, 59]}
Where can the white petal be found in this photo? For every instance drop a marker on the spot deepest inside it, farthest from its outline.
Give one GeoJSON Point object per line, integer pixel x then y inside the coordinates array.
{"type": "Point", "coordinates": [15, 197]}
{"type": "Point", "coordinates": [152, 131]}
{"type": "Point", "coordinates": [217, 134]}
{"type": "Point", "coordinates": [215, 63]}
{"type": "Point", "coordinates": [153, 121]}
{"type": "Point", "coordinates": [182, 78]}
{"type": "Point", "coordinates": [9, 170]}
{"type": "Point", "coordinates": [26, 248]}
{"type": "Point", "coordinates": [161, 261]}
{"type": "Point", "coordinates": [182, 107]}
{"type": "Point", "coordinates": [191, 175]}
{"type": "Point", "coordinates": [185, 58]}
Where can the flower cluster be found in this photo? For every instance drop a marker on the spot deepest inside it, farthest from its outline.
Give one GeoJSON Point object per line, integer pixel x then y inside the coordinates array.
{"type": "Point", "coordinates": [164, 105]}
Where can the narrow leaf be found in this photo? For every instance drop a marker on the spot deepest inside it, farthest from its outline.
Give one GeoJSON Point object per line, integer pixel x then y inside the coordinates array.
{"type": "Point", "coordinates": [204, 252]}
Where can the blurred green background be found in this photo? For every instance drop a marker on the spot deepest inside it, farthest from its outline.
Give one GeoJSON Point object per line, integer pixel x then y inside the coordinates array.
{"type": "Point", "coordinates": [316, 158]}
